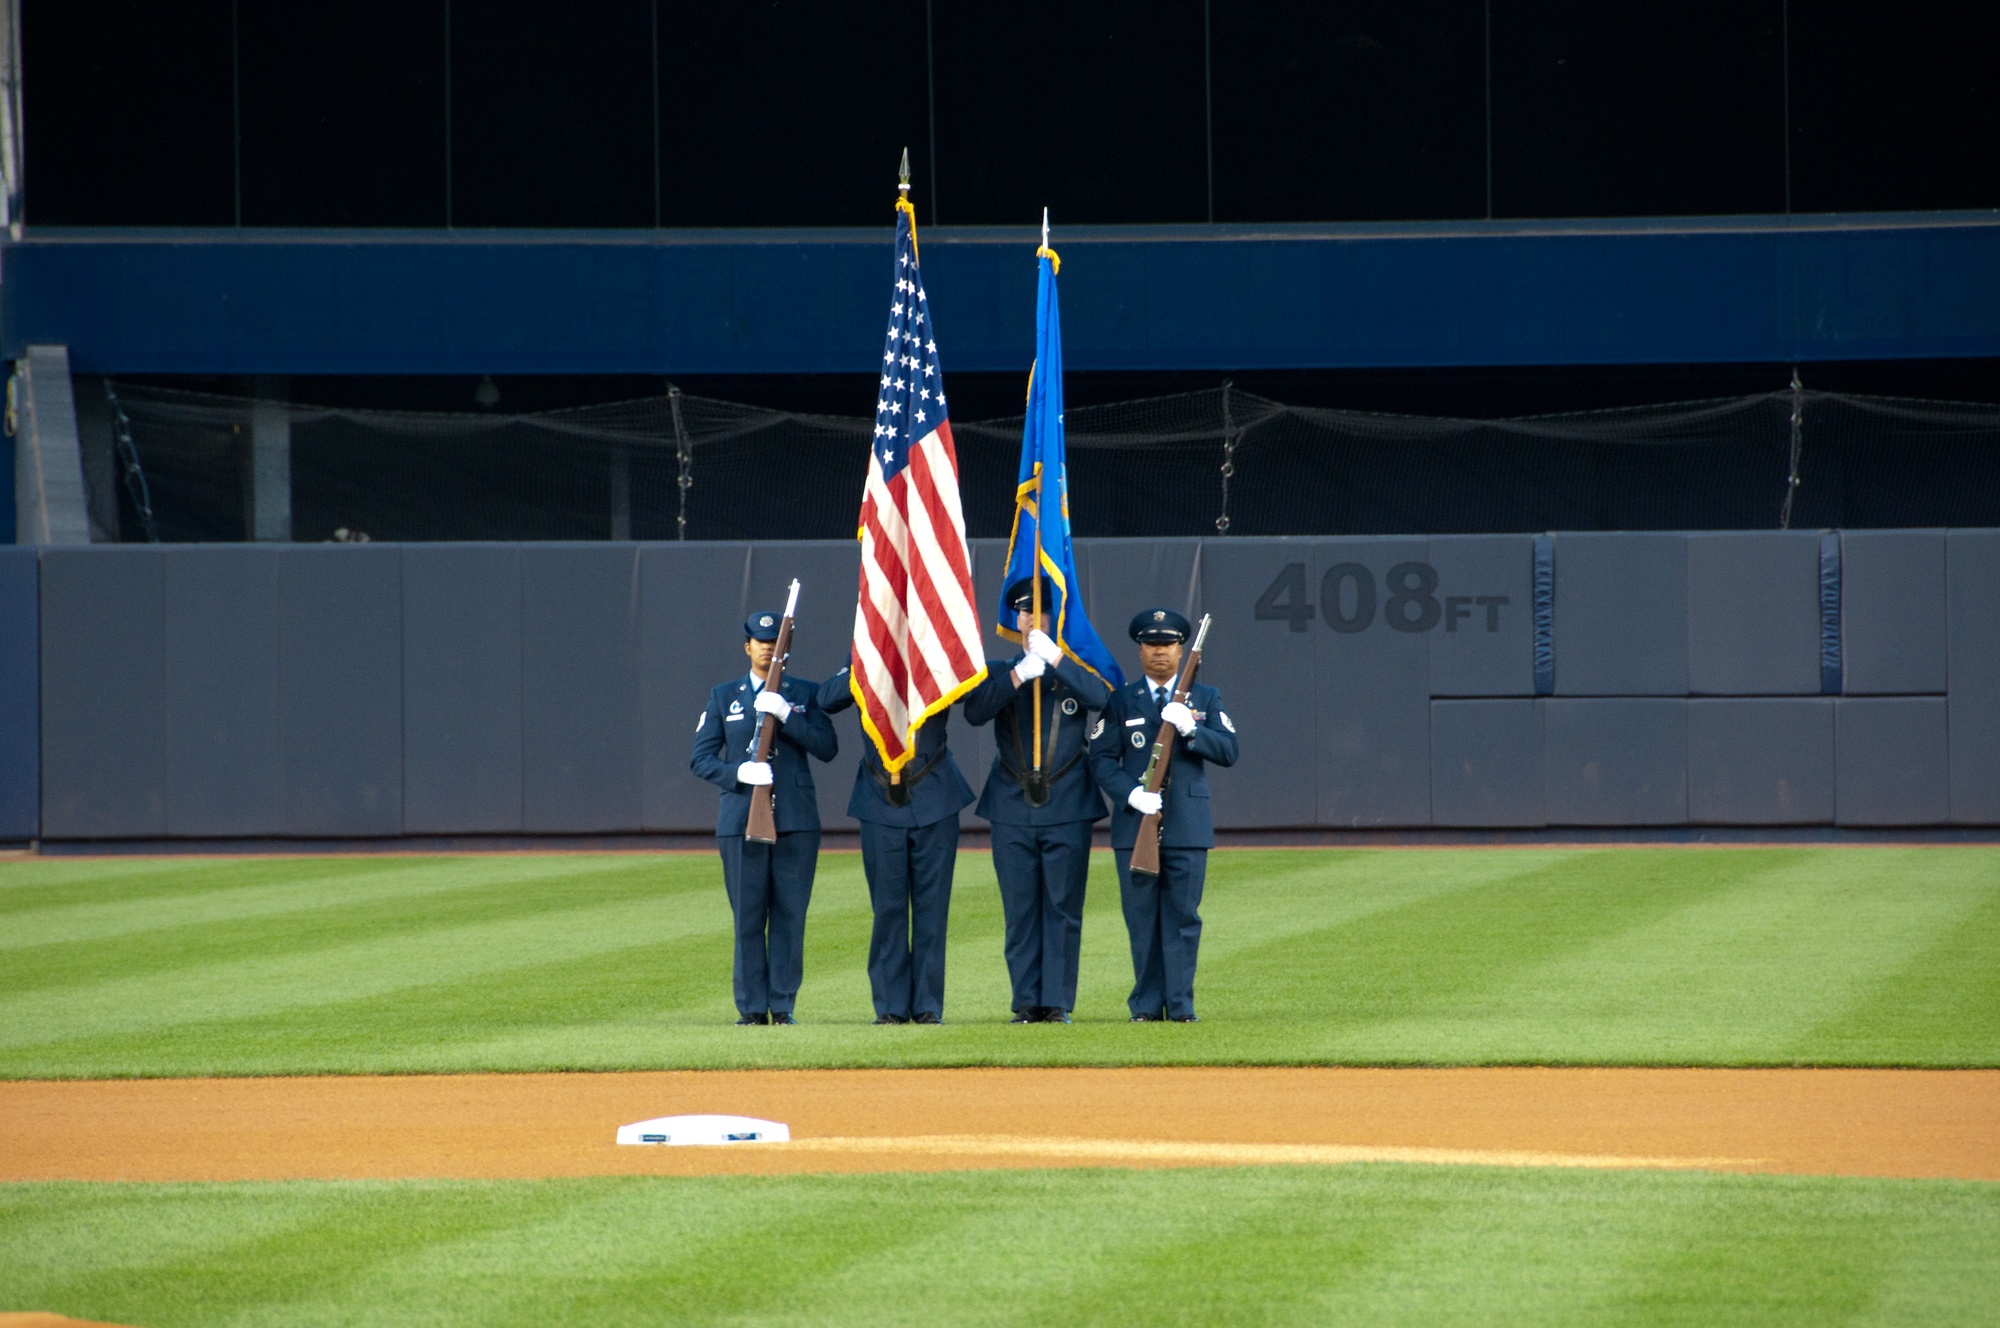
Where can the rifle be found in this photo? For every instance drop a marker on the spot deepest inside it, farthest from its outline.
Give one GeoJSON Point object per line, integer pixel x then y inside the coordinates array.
{"type": "Point", "coordinates": [1146, 848]}
{"type": "Point", "coordinates": [763, 827]}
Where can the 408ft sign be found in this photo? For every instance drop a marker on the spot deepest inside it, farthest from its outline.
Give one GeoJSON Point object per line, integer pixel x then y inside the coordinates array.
{"type": "Point", "coordinates": [1348, 600]}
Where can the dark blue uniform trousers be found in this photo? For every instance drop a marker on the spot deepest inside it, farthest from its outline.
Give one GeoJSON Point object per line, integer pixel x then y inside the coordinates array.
{"type": "Point", "coordinates": [769, 887]}
{"type": "Point", "coordinates": [1163, 916]}
{"type": "Point", "coordinates": [1042, 871]}
{"type": "Point", "coordinates": [909, 882]}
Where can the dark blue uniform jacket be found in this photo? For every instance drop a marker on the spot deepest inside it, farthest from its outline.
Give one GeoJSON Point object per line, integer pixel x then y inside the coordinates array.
{"type": "Point", "coordinates": [1069, 693]}
{"type": "Point", "coordinates": [1121, 744]}
{"type": "Point", "coordinates": [938, 796]}
{"type": "Point", "coordinates": [726, 737]}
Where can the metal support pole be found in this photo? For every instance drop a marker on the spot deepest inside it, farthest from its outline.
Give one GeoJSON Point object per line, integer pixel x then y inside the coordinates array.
{"type": "Point", "coordinates": [270, 515]}
{"type": "Point", "coordinates": [1228, 456]}
{"type": "Point", "coordinates": [684, 454]}
{"type": "Point", "coordinates": [1798, 437]}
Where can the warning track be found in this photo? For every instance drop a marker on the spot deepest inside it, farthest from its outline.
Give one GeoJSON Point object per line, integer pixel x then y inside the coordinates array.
{"type": "Point", "coordinates": [1908, 1123]}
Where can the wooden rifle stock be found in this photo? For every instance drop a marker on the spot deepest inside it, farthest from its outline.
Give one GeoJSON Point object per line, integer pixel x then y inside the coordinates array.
{"type": "Point", "coordinates": [1146, 848]}
{"type": "Point", "coordinates": [762, 827]}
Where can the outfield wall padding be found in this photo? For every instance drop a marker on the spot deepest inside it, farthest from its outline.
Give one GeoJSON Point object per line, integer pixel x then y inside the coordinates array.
{"type": "Point", "coordinates": [1753, 613]}
{"type": "Point", "coordinates": [20, 682]}
{"type": "Point", "coordinates": [1972, 578]}
{"type": "Point", "coordinates": [341, 690]}
{"type": "Point", "coordinates": [1891, 761]}
{"type": "Point", "coordinates": [225, 752]}
{"type": "Point", "coordinates": [1892, 612]}
{"type": "Point", "coordinates": [461, 731]}
{"type": "Point", "coordinates": [439, 689]}
{"type": "Point", "coordinates": [104, 693]}
{"type": "Point", "coordinates": [1486, 763]}
{"type": "Point", "coordinates": [580, 737]}
{"type": "Point", "coordinates": [1484, 645]}
{"type": "Point", "coordinates": [1621, 620]}
{"type": "Point", "coordinates": [1614, 760]}
{"type": "Point", "coordinates": [1372, 684]}
{"type": "Point", "coordinates": [1760, 760]}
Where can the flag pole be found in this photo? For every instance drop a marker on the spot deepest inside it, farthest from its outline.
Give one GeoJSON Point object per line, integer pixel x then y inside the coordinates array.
{"type": "Point", "coordinates": [1035, 561]}
{"type": "Point", "coordinates": [903, 201]}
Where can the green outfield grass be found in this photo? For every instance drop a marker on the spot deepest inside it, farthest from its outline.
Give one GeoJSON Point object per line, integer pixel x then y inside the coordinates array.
{"type": "Point", "coordinates": [1387, 1245]}
{"type": "Point", "coordinates": [1853, 956]}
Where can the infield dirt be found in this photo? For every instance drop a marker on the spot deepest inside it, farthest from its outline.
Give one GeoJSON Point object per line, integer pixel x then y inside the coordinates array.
{"type": "Point", "coordinates": [1893, 1123]}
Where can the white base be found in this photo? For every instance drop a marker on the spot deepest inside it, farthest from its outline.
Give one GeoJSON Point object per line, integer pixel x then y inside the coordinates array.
{"type": "Point", "coordinates": [680, 1130]}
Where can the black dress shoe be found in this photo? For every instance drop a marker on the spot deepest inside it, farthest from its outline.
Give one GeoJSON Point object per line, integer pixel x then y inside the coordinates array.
{"type": "Point", "coordinates": [926, 1017]}
{"type": "Point", "coordinates": [1144, 1019]}
{"type": "Point", "coordinates": [782, 1017]}
{"type": "Point", "coordinates": [890, 1019]}
{"type": "Point", "coordinates": [1187, 1018]}
{"type": "Point", "coordinates": [1054, 1016]}
{"type": "Point", "coordinates": [1031, 1015]}
{"type": "Point", "coordinates": [743, 1020]}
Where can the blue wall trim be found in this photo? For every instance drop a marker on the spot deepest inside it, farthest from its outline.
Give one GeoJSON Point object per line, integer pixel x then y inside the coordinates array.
{"type": "Point", "coordinates": [1829, 613]}
{"type": "Point", "coordinates": [1545, 615]}
{"type": "Point", "coordinates": [1678, 290]}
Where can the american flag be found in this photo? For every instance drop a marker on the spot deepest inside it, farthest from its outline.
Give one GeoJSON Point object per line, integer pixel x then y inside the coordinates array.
{"type": "Point", "coordinates": [916, 634]}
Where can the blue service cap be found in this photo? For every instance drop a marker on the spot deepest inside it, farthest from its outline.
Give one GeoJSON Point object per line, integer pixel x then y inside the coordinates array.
{"type": "Point", "coordinates": [1159, 627]}
{"type": "Point", "coordinates": [761, 625]}
{"type": "Point", "coordinates": [1021, 595]}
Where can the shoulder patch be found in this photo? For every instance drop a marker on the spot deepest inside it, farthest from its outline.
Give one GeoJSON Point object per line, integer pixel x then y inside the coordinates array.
{"type": "Point", "coordinates": [1223, 715]}
{"type": "Point", "coordinates": [1098, 731]}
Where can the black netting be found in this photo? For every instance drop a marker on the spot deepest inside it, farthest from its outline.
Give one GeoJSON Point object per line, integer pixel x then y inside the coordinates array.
{"type": "Point", "coordinates": [1191, 464]}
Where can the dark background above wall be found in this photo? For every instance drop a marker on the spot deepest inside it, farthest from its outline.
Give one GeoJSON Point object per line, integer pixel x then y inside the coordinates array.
{"type": "Point", "coordinates": [638, 113]}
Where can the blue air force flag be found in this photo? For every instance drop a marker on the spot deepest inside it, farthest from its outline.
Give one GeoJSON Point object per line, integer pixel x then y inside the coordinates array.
{"type": "Point", "coordinates": [1040, 537]}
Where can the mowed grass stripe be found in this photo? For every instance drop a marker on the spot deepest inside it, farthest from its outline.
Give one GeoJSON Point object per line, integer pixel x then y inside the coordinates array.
{"type": "Point", "coordinates": [1639, 956]}
{"type": "Point", "coordinates": [1383, 1244]}
{"type": "Point", "coordinates": [219, 899]}
{"type": "Point", "coordinates": [1950, 988]}
{"type": "Point", "coordinates": [337, 954]}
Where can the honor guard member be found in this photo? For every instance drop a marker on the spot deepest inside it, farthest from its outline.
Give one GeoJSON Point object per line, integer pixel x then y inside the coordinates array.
{"type": "Point", "coordinates": [909, 847]}
{"type": "Point", "coordinates": [1041, 823]}
{"type": "Point", "coordinates": [1162, 912]}
{"type": "Point", "coordinates": [769, 884]}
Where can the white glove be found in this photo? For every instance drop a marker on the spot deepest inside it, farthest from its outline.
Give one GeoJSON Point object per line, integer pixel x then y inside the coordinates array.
{"type": "Point", "coordinates": [1044, 649]}
{"type": "Point", "coordinates": [754, 772]}
{"type": "Point", "coordinates": [1144, 803]}
{"type": "Point", "coordinates": [1178, 715]}
{"type": "Point", "coordinates": [1030, 668]}
{"type": "Point", "coordinates": [770, 703]}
